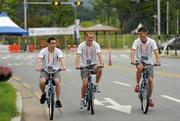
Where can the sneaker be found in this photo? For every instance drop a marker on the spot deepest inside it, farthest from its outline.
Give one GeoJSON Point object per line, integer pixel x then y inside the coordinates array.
{"type": "Point", "coordinates": [137, 88]}
{"type": "Point", "coordinates": [151, 103]}
{"type": "Point", "coordinates": [96, 88]}
{"type": "Point", "coordinates": [43, 98]}
{"type": "Point", "coordinates": [58, 104]}
{"type": "Point", "coordinates": [82, 102]}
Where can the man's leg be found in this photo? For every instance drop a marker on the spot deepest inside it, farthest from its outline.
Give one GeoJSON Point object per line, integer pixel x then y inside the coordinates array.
{"type": "Point", "coordinates": [42, 87]}
{"type": "Point", "coordinates": [83, 91]}
{"type": "Point", "coordinates": [84, 87]}
{"type": "Point", "coordinates": [98, 77]}
{"type": "Point", "coordinates": [58, 92]}
{"type": "Point", "coordinates": [138, 78]}
{"type": "Point", "coordinates": [58, 88]}
{"type": "Point", "coordinates": [42, 82]}
{"type": "Point", "coordinates": [150, 84]}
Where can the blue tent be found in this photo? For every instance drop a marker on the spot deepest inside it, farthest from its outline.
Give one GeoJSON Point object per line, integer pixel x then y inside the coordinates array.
{"type": "Point", "coordinates": [8, 27]}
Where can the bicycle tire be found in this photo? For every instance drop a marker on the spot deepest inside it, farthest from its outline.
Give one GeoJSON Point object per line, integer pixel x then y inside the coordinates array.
{"type": "Point", "coordinates": [91, 103]}
{"type": "Point", "coordinates": [88, 105]}
{"type": "Point", "coordinates": [145, 99]}
{"type": "Point", "coordinates": [51, 104]}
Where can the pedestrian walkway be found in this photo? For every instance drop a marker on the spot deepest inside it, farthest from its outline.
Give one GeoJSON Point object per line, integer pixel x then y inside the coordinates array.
{"type": "Point", "coordinates": [32, 110]}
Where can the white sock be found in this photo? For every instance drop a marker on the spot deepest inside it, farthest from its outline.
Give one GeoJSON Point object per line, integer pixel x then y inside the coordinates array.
{"type": "Point", "coordinates": [96, 84]}
{"type": "Point", "coordinates": [58, 98]}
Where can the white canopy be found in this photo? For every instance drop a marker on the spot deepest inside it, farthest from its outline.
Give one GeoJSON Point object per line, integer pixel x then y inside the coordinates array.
{"type": "Point", "coordinates": [7, 26]}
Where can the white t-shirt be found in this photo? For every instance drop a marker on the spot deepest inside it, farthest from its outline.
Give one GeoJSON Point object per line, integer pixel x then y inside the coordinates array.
{"type": "Point", "coordinates": [88, 54]}
{"type": "Point", "coordinates": [50, 59]}
{"type": "Point", "coordinates": [144, 51]}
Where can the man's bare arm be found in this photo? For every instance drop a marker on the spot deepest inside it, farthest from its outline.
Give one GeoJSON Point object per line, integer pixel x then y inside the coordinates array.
{"type": "Point", "coordinates": [132, 56]}
{"type": "Point", "coordinates": [38, 64]}
{"type": "Point", "coordinates": [77, 61]}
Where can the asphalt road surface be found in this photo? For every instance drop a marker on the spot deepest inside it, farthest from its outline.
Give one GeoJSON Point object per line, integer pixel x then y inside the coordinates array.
{"type": "Point", "coordinates": [117, 100]}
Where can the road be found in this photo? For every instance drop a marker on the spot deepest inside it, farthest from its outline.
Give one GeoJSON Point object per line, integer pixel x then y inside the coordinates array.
{"type": "Point", "coordinates": [117, 100]}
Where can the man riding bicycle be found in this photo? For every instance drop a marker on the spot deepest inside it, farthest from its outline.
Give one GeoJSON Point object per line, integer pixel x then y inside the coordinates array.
{"type": "Point", "coordinates": [144, 47]}
{"type": "Point", "coordinates": [86, 55]}
{"type": "Point", "coordinates": [50, 56]}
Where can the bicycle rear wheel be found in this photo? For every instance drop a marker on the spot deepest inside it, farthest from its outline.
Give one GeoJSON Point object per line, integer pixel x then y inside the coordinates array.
{"type": "Point", "coordinates": [145, 99]}
{"type": "Point", "coordinates": [51, 104]}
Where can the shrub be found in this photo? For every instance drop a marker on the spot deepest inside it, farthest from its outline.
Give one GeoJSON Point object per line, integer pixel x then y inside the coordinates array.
{"type": "Point", "coordinates": [5, 73]}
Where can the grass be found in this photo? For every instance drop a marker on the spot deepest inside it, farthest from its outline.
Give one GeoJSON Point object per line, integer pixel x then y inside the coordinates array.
{"type": "Point", "coordinates": [8, 108]}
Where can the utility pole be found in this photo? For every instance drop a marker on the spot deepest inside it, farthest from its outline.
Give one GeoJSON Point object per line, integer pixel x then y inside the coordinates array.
{"type": "Point", "coordinates": [159, 24]}
{"type": "Point", "coordinates": [25, 14]}
{"type": "Point", "coordinates": [177, 23]}
{"type": "Point", "coordinates": [167, 19]}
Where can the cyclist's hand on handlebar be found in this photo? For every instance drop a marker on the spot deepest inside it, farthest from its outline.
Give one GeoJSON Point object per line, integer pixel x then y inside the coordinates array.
{"type": "Point", "coordinates": [157, 64]}
{"type": "Point", "coordinates": [78, 67]}
{"type": "Point", "coordinates": [63, 68]}
{"type": "Point", "coordinates": [100, 66]}
{"type": "Point", "coordinates": [133, 62]}
{"type": "Point", "coordinates": [38, 69]}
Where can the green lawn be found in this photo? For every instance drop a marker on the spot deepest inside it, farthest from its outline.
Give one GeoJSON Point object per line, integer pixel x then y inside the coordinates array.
{"type": "Point", "coordinates": [7, 102]}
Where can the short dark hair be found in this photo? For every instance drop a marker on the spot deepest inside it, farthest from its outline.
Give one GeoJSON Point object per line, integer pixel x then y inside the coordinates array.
{"type": "Point", "coordinates": [50, 38]}
{"type": "Point", "coordinates": [87, 33]}
{"type": "Point", "coordinates": [142, 29]}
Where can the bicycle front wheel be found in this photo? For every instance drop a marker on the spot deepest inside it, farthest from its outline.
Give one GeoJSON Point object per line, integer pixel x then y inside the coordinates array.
{"type": "Point", "coordinates": [51, 104]}
{"type": "Point", "coordinates": [145, 99]}
{"type": "Point", "coordinates": [91, 103]}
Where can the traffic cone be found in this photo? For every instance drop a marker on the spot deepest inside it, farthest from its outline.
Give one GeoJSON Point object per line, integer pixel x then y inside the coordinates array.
{"type": "Point", "coordinates": [110, 57]}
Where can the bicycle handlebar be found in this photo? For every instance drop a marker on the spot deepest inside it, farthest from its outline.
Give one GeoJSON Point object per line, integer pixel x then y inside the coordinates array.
{"type": "Point", "coordinates": [51, 71]}
{"type": "Point", "coordinates": [89, 67]}
{"type": "Point", "coordinates": [137, 63]}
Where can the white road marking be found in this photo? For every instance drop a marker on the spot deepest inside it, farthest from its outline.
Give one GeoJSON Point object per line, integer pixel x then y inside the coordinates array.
{"type": "Point", "coordinates": [30, 64]}
{"type": "Point", "coordinates": [31, 56]}
{"type": "Point", "coordinates": [123, 84]}
{"type": "Point", "coordinates": [9, 64]}
{"type": "Point", "coordinates": [16, 64]}
{"type": "Point", "coordinates": [18, 56]}
{"type": "Point", "coordinates": [26, 85]}
{"type": "Point", "coordinates": [97, 102]}
{"type": "Point", "coordinates": [118, 107]}
{"type": "Point", "coordinates": [114, 105]}
{"type": "Point", "coordinates": [124, 56]}
{"type": "Point", "coordinates": [171, 98]}
{"type": "Point", "coordinates": [6, 57]}
{"type": "Point", "coordinates": [17, 78]}
{"type": "Point", "coordinates": [68, 70]}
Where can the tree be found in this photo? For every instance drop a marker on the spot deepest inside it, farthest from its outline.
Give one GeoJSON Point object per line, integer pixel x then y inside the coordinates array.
{"type": "Point", "coordinates": [104, 10]}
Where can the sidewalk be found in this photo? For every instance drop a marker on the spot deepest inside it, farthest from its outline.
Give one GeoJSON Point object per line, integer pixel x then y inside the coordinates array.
{"type": "Point", "coordinates": [31, 108]}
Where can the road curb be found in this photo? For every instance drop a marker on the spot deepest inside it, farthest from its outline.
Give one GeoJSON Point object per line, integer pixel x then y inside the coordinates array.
{"type": "Point", "coordinates": [19, 107]}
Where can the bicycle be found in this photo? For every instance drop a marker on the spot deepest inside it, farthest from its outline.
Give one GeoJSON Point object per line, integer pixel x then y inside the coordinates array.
{"type": "Point", "coordinates": [51, 93]}
{"type": "Point", "coordinates": [89, 94]}
{"type": "Point", "coordinates": [144, 87]}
